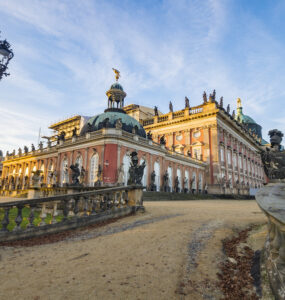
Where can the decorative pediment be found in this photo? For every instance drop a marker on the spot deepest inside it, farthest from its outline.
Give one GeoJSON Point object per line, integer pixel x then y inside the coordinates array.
{"type": "Point", "coordinates": [196, 144]}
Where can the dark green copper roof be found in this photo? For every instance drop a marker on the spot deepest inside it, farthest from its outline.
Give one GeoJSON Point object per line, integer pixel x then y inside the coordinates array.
{"type": "Point", "coordinates": [116, 85]}
{"type": "Point", "coordinates": [128, 123]}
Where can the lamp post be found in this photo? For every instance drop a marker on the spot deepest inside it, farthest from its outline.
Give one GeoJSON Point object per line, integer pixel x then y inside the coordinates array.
{"type": "Point", "coordinates": [6, 54]}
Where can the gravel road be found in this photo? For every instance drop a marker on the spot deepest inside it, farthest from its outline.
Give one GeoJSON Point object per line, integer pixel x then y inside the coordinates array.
{"type": "Point", "coordinates": [171, 251]}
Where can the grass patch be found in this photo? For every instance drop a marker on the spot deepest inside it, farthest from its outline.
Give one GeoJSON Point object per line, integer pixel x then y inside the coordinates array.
{"type": "Point", "coordinates": [25, 216]}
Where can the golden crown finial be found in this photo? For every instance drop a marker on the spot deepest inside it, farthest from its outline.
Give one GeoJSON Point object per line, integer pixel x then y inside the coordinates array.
{"type": "Point", "coordinates": [238, 103]}
{"type": "Point", "coordinates": [117, 74]}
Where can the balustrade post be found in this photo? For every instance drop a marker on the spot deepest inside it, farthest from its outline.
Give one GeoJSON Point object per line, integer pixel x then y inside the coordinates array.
{"type": "Point", "coordinates": [31, 217]}
{"type": "Point", "coordinates": [76, 209]}
{"type": "Point", "coordinates": [85, 209]}
{"type": "Point", "coordinates": [5, 221]}
{"type": "Point", "coordinates": [65, 209]}
{"type": "Point", "coordinates": [19, 218]}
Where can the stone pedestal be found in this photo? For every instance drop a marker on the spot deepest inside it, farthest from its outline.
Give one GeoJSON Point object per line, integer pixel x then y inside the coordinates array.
{"type": "Point", "coordinates": [135, 197]}
{"type": "Point", "coordinates": [34, 193]}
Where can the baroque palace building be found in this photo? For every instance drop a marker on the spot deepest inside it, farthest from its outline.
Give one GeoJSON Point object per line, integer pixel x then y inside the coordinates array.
{"type": "Point", "coordinates": [229, 143]}
{"type": "Point", "coordinates": [101, 147]}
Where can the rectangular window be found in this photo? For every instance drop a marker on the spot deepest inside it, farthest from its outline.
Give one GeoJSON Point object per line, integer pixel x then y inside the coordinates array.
{"type": "Point", "coordinates": [222, 153]}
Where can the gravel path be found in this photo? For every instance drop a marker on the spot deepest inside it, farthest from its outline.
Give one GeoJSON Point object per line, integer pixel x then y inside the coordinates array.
{"type": "Point", "coordinates": [170, 252]}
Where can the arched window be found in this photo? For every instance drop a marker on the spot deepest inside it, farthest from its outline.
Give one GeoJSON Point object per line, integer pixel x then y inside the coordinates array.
{"type": "Point", "coordinates": [27, 171]}
{"type": "Point", "coordinates": [157, 175]}
{"type": "Point", "coordinates": [200, 182]}
{"type": "Point", "coordinates": [186, 181]}
{"type": "Point", "coordinates": [169, 171]}
{"type": "Point", "coordinates": [94, 163]}
{"type": "Point", "coordinates": [127, 164]}
{"type": "Point", "coordinates": [50, 170]}
{"type": "Point", "coordinates": [178, 172]}
{"type": "Point", "coordinates": [194, 179]}
{"type": "Point", "coordinates": [79, 161]}
{"type": "Point", "coordinates": [144, 178]}
{"type": "Point", "coordinates": [64, 171]}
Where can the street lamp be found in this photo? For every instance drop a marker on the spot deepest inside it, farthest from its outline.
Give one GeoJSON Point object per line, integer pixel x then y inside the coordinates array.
{"type": "Point", "coordinates": [6, 54]}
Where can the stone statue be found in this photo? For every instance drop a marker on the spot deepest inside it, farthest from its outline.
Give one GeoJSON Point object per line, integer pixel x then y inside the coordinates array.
{"type": "Point", "coordinates": [205, 97]}
{"type": "Point", "coordinates": [233, 114]}
{"type": "Point", "coordinates": [170, 107]}
{"type": "Point", "coordinates": [166, 187]}
{"type": "Point", "coordinates": [33, 147]}
{"type": "Point", "coordinates": [211, 99]}
{"type": "Point", "coordinates": [214, 95]}
{"type": "Point", "coordinates": [89, 127]}
{"type": "Point", "coordinates": [149, 135]}
{"type": "Point", "coordinates": [135, 130]}
{"type": "Point", "coordinates": [48, 143]}
{"type": "Point", "coordinates": [187, 104]}
{"type": "Point", "coordinates": [75, 174]}
{"type": "Point", "coordinates": [106, 123]}
{"type": "Point", "coordinates": [61, 137]}
{"type": "Point", "coordinates": [189, 153]}
{"type": "Point", "coordinates": [19, 151]}
{"type": "Point", "coordinates": [41, 145]}
{"type": "Point", "coordinates": [117, 74]}
{"type": "Point", "coordinates": [162, 140]}
{"type": "Point", "coordinates": [228, 109]}
{"type": "Point", "coordinates": [222, 102]}
{"type": "Point", "coordinates": [155, 111]}
{"type": "Point", "coordinates": [82, 175]}
{"type": "Point", "coordinates": [119, 124]}
{"type": "Point", "coordinates": [273, 158]}
{"type": "Point", "coordinates": [99, 176]}
{"type": "Point", "coordinates": [152, 181]}
{"type": "Point", "coordinates": [176, 185]}
{"type": "Point", "coordinates": [36, 178]}
{"type": "Point", "coordinates": [74, 132]}
{"type": "Point", "coordinates": [135, 171]}
{"type": "Point", "coordinates": [121, 175]}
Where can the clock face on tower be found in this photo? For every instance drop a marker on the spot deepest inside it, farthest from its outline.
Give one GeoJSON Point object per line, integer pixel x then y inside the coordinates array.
{"type": "Point", "coordinates": [197, 134]}
{"type": "Point", "coordinates": [179, 137]}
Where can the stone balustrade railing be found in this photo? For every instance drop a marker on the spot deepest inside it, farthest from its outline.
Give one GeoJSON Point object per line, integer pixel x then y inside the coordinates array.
{"type": "Point", "coordinates": [32, 217]}
{"type": "Point", "coordinates": [271, 200]}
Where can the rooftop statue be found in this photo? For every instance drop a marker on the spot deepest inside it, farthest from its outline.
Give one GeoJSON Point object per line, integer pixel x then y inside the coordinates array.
{"type": "Point", "coordinates": [228, 109]}
{"type": "Point", "coordinates": [205, 97]}
{"type": "Point", "coordinates": [149, 135]}
{"type": "Point", "coordinates": [74, 132]}
{"type": "Point", "coordinates": [239, 103]}
{"type": "Point", "coordinates": [187, 104]}
{"type": "Point", "coordinates": [170, 106]}
{"type": "Point", "coordinates": [33, 147]}
{"type": "Point", "coordinates": [117, 74]}
{"type": "Point", "coordinates": [162, 140]}
{"type": "Point", "coordinates": [155, 111]}
{"type": "Point", "coordinates": [222, 102]}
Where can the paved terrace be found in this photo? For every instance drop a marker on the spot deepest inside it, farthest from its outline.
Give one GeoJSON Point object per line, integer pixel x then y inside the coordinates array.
{"type": "Point", "coordinates": [147, 256]}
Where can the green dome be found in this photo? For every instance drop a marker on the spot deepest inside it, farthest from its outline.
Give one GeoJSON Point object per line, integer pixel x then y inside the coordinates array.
{"type": "Point", "coordinates": [109, 119]}
{"type": "Point", "coordinates": [117, 86]}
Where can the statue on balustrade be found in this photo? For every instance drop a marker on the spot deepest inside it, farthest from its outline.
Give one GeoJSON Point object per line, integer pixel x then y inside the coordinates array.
{"type": "Point", "coordinates": [187, 103]}
{"type": "Point", "coordinates": [99, 176]}
{"type": "Point", "coordinates": [75, 173]}
{"type": "Point", "coordinates": [205, 100]}
{"type": "Point", "coordinates": [14, 152]}
{"type": "Point", "coordinates": [155, 111]}
{"type": "Point", "coordinates": [41, 145]}
{"type": "Point", "coordinates": [135, 170]}
{"type": "Point", "coordinates": [170, 106]}
{"type": "Point", "coordinates": [121, 175]}
{"type": "Point", "coordinates": [82, 175]}
{"type": "Point", "coordinates": [74, 132]}
{"type": "Point", "coordinates": [176, 185]}
{"type": "Point", "coordinates": [273, 158]}
{"type": "Point", "coordinates": [166, 187]}
{"type": "Point", "coordinates": [221, 102]}
{"type": "Point", "coordinates": [19, 151]}
{"type": "Point", "coordinates": [33, 147]}
{"type": "Point", "coordinates": [162, 140]}
{"type": "Point", "coordinates": [189, 153]}
{"type": "Point", "coordinates": [152, 181]}
{"type": "Point", "coordinates": [61, 137]}
{"type": "Point", "coordinates": [119, 124]}
{"type": "Point", "coordinates": [228, 109]}
{"type": "Point", "coordinates": [36, 178]}
{"type": "Point", "coordinates": [149, 135]}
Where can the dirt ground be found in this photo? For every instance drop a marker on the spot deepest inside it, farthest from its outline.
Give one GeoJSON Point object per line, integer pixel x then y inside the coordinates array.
{"type": "Point", "coordinates": [153, 255]}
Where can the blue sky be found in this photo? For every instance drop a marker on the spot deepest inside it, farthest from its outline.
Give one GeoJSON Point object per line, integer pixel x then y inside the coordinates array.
{"type": "Point", "coordinates": [165, 50]}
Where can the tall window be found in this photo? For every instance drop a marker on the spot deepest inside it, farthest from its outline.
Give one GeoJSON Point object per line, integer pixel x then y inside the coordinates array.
{"type": "Point", "coordinates": [179, 177]}
{"type": "Point", "coordinates": [240, 162]}
{"type": "Point", "coordinates": [186, 186]}
{"type": "Point", "coordinates": [222, 153]}
{"type": "Point", "coordinates": [229, 158]}
{"type": "Point", "coordinates": [127, 164]}
{"type": "Point", "coordinates": [79, 161]}
{"type": "Point", "coordinates": [50, 170]}
{"type": "Point", "coordinates": [144, 178]}
{"type": "Point", "coordinates": [64, 171]}
{"type": "Point", "coordinates": [169, 171]}
{"type": "Point", "coordinates": [194, 180]}
{"type": "Point", "coordinates": [94, 163]}
{"type": "Point", "coordinates": [157, 175]}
